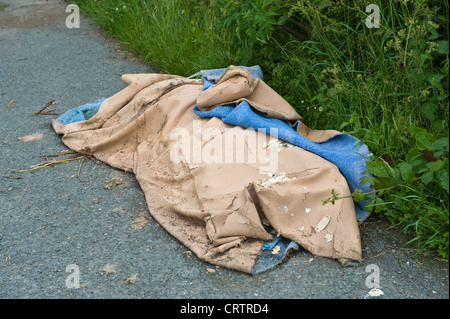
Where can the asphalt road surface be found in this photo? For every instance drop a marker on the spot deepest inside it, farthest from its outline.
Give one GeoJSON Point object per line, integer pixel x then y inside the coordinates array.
{"type": "Point", "coordinates": [71, 223]}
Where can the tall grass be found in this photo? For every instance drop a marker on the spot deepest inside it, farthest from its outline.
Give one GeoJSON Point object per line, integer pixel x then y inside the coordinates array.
{"type": "Point", "coordinates": [387, 86]}
{"type": "Point", "coordinates": [167, 34]}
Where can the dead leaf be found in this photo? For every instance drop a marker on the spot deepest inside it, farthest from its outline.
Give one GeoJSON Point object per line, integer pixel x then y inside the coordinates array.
{"type": "Point", "coordinates": [131, 280]}
{"type": "Point", "coordinates": [109, 269]}
{"type": "Point", "coordinates": [113, 183]}
{"type": "Point", "coordinates": [12, 103]}
{"type": "Point", "coordinates": [140, 222]}
{"type": "Point", "coordinates": [29, 138]}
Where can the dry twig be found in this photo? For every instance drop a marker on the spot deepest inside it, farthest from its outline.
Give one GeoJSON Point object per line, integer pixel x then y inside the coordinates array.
{"type": "Point", "coordinates": [50, 112]}
{"type": "Point", "coordinates": [46, 163]}
{"type": "Point", "coordinates": [79, 170]}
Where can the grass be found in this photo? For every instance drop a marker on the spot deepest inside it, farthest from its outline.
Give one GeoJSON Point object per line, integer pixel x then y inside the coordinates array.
{"type": "Point", "coordinates": [164, 33]}
{"type": "Point", "coordinates": [387, 86]}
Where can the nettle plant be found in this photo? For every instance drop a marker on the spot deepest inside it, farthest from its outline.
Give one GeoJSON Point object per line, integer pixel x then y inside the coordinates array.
{"type": "Point", "coordinates": [248, 23]}
{"type": "Point", "coordinates": [401, 78]}
{"type": "Point", "coordinates": [413, 189]}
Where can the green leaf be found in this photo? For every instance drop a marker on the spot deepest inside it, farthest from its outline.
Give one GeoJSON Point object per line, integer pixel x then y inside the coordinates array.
{"type": "Point", "coordinates": [429, 109]}
{"type": "Point", "coordinates": [325, 3]}
{"type": "Point", "coordinates": [443, 178]}
{"type": "Point", "coordinates": [367, 179]}
{"type": "Point", "coordinates": [349, 27]}
{"type": "Point", "coordinates": [440, 144]}
{"type": "Point", "coordinates": [416, 164]}
{"type": "Point", "coordinates": [434, 35]}
{"type": "Point", "coordinates": [342, 126]}
{"type": "Point", "coordinates": [282, 20]}
{"type": "Point", "coordinates": [407, 172]}
{"type": "Point", "coordinates": [358, 195]}
{"type": "Point", "coordinates": [424, 139]}
{"type": "Point", "coordinates": [379, 205]}
{"type": "Point", "coordinates": [435, 80]}
{"type": "Point", "coordinates": [412, 155]}
{"type": "Point", "coordinates": [380, 168]}
{"type": "Point", "coordinates": [423, 170]}
{"type": "Point", "coordinates": [436, 165]}
{"type": "Point", "coordinates": [442, 47]}
{"type": "Point", "coordinates": [427, 177]}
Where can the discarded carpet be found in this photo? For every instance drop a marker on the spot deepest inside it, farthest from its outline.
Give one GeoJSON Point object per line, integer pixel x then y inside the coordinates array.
{"type": "Point", "coordinates": [227, 165]}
